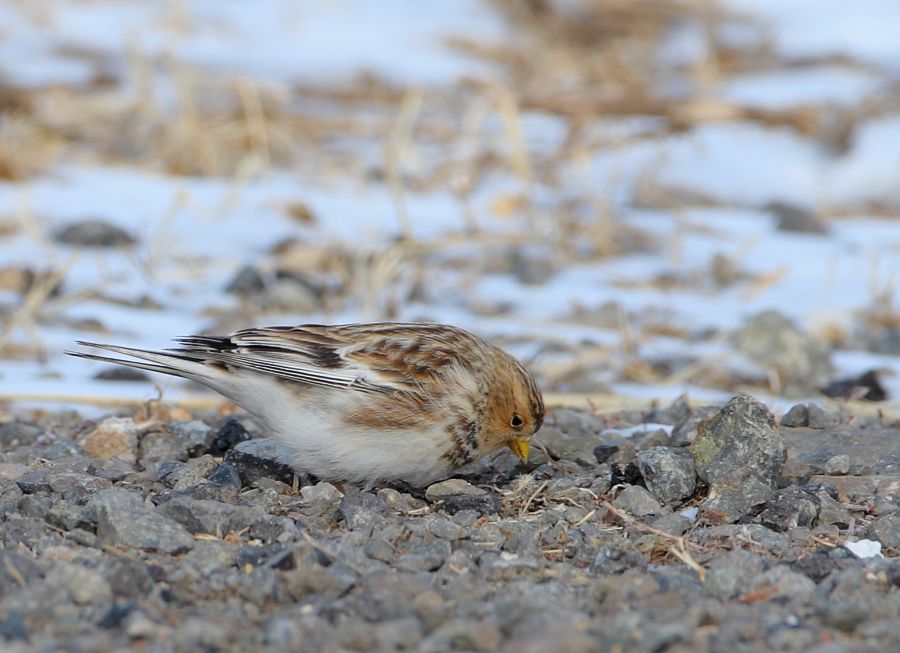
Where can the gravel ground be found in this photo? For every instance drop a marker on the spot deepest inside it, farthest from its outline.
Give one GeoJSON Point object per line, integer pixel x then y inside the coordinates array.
{"type": "Point", "coordinates": [726, 533]}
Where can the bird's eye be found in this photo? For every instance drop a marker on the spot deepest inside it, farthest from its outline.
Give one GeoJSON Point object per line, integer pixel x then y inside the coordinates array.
{"type": "Point", "coordinates": [516, 421]}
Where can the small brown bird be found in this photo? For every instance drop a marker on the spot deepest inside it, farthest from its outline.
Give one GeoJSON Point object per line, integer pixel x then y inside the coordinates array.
{"type": "Point", "coordinates": [364, 402]}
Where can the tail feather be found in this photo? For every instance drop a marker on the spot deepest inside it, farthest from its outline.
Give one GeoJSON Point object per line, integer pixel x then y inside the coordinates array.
{"type": "Point", "coordinates": [141, 365]}
{"type": "Point", "coordinates": [175, 364]}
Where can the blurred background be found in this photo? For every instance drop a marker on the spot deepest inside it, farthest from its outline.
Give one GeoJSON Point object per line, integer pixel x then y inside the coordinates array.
{"type": "Point", "coordinates": [638, 198]}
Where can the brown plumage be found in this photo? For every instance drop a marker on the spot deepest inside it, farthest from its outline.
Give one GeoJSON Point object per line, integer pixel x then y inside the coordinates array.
{"type": "Point", "coordinates": [365, 402]}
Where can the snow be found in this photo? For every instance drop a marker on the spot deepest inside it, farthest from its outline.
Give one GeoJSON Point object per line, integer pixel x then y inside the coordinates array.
{"type": "Point", "coordinates": [401, 40]}
{"type": "Point", "coordinates": [865, 29]}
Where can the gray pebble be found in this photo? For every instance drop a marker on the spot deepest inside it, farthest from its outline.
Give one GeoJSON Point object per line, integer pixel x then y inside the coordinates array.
{"type": "Point", "coordinates": [886, 529]}
{"type": "Point", "coordinates": [262, 457]}
{"type": "Point", "coordinates": [798, 415]}
{"type": "Point", "coordinates": [451, 488]}
{"type": "Point", "coordinates": [93, 233]}
{"type": "Point", "coordinates": [819, 418]}
{"type": "Point", "coordinates": [206, 516]}
{"type": "Point", "coordinates": [425, 557]}
{"type": "Point", "coordinates": [789, 508]}
{"type": "Point", "coordinates": [123, 519]}
{"type": "Point", "coordinates": [838, 465]}
{"type": "Point", "coordinates": [668, 473]}
{"type": "Point", "coordinates": [637, 501]}
{"type": "Point", "coordinates": [733, 573]}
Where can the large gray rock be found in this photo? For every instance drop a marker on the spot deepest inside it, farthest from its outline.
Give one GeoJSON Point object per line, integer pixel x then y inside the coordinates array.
{"type": "Point", "coordinates": [739, 454]}
{"type": "Point", "coordinates": [669, 473]}
{"type": "Point", "coordinates": [123, 519]}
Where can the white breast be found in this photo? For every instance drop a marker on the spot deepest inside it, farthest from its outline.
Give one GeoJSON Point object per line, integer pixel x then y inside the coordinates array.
{"type": "Point", "coordinates": [311, 423]}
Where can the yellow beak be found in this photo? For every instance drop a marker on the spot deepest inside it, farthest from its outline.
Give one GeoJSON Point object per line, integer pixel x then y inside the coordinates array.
{"type": "Point", "coordinates": [519, 446]}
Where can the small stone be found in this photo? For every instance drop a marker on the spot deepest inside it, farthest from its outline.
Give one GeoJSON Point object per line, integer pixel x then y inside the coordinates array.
{"type": "Point", "coordinates": [785, 583]}
{"type": "Point", "coordinates": [114, 436]}
{"type": "Point", "coordinates": [205, 516]}
{"type": "Point", "coordinates": [398, 634]}
{"type": "Point", "coordinates": [93, 233]}
{"type": "Point", "coordinates": [451, 488]}
{"type": "Point", "coordinates": [123, 519]}
{"type": "Point", "coordinates": [838, 465]}
{"type": "Point", "coordinates": [852, 602]}
{"type": "Point", "coordinates": [13, 471]}
{"type": "Point", "coordinates": [443, 528]}
{"type": "Point", "coordinates": [225, 475]}
{"type": "Point", "coordinates": [886, 529]}
{"type": "Point", "coordinates": [122, 375]}
{"type": "Point", "coordinates": [668, 473]}
{"type": "Point", "coordinates": [83, 585]}
{"type": "Point", "coordinates": [789, 508]}
{"type": "Point", "coordinates": [228, 434]}
{"type": "Point", "coordinates": [733, 573]}
{"type": "Point", "coordinates": [465, 635]}
{"type": "Point", "coordinates": [13, 627]}
{"type": "Point", "coordinates": [321, 494]}
{"type": "Point", "coordinates": [637, 501]}
{"type": "Point", "coordinates": [362, 509]}
{"type": "Point", "coordinates": [604, 452]}
{"type": "Point", "coordinates": [425, 557]}
{"type": "Point", "coordinates": [116, 615]}
{"type": "Point", "coordinates": [179, 476]}
{"type": "Point", "coordinates": [791, 217]}
{"type": "Point", "coordinates": [113, 469]}
{"type": "Point", "coordinates": [819, 418]}
{"type": "Point", "coordinates": [248, 281]}
{"type": "Point", "coordinates": [400, 501]}
{"type": "Point", "coordinates": [816, 566]}
{"type": "Point", "coordinates": [160, 445]}
{"type": "Point", "coordinates": [262, 457]}
{"type": "Point", "coordinates": [613, 559]}
{"type": "Point", "coordinates": [798, 415]}
{"type": "Point", "coordinates": [16, 569]}
{"type": "Point", "coordinates": [18, 433]}
{"type": "Point", "coordinates": [484, 504]}
{"type": "Point", "coordinates": [831, 511]}
{"type": "Point", "coordinates": [137, 625]}
{"type": "Point", "coordinates": [72, 485]}
{"type": "Point", "coordinates": [674, 524]}
{"type": "Point", "coordinates": [272, 529]}
{"type": "Point", "coordinates": [195, 436]}
{"type": "Point", "coordinates": [129, 578]}
{"type": "Point", "coordinates": [740, 455]}
{"type": "Point", "coordinates": [511, 566]}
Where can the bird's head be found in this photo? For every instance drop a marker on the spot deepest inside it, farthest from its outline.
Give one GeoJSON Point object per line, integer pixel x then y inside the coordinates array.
{"type": "Point", "coordinates": [515, 408]}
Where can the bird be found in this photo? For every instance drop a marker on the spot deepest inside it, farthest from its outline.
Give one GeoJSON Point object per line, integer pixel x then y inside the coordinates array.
{"type": "Point", "coordinates": [364, 403]}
